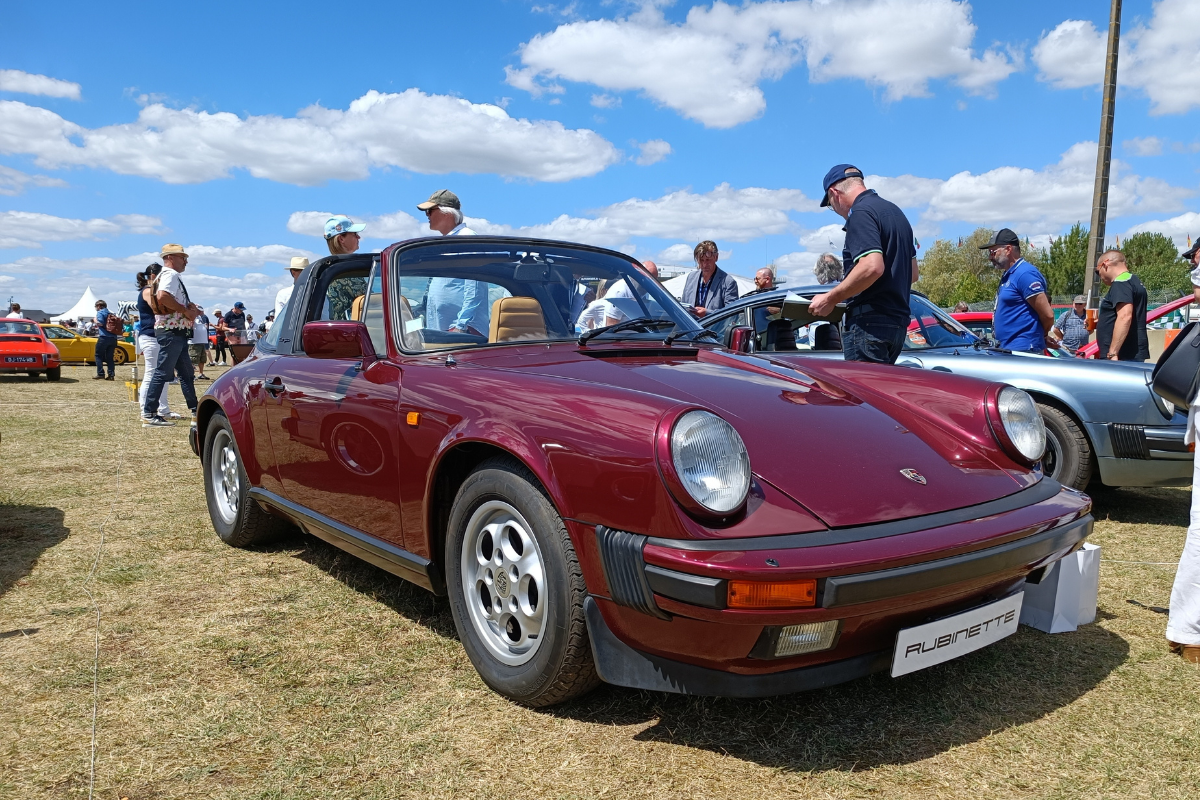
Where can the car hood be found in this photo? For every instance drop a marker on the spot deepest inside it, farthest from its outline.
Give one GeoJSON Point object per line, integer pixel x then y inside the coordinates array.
{"type": "Point", "coordinates": [820, 434]}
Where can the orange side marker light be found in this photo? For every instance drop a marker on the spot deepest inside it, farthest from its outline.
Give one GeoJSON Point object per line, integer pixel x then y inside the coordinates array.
{"type": "Point", "coordinates": [414, 418]}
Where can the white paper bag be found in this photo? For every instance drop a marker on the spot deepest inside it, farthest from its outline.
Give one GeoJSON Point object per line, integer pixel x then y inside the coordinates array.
{"type": "Point", "coordinates": [1066, 596]}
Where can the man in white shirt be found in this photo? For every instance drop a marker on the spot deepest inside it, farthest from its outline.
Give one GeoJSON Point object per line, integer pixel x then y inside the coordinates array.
{"type": "Point", "coordinates": [299, 264]}
{"type": "Point", "coordinates": [14, 311]}
{"type": "Point", "coordinates": [173, 323]}
{"type": "Point", "coordinates": [453, 304]}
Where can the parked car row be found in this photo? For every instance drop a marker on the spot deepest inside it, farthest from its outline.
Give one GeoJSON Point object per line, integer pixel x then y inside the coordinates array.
{"type": "Point", "coordinates": [647, 503]}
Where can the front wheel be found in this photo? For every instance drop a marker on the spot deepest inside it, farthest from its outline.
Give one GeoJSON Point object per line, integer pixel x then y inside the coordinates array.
{"type": "Point", "coordinates": [516, 589]}
{"type": "Point", "coordinates": [236, 517]}
{"type": "Point", "coordinates": [1068, 457]}
{"type": "Point", "coordinates": [120, 356]}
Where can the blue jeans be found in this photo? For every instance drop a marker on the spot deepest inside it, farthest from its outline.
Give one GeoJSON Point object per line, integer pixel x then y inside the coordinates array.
{"type": "Point", "coordinates": [172, 360]}
{"type": "Point", "coordinates": [873, 338]}
{"type": "Point", "coordinates": [106, 349]}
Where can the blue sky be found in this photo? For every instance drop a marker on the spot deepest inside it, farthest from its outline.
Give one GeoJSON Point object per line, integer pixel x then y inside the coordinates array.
{"type": "Point", "coordinates": [234, 128]}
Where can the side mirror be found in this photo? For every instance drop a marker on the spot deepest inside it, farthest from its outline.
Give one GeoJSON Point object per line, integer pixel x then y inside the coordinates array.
{"type": "Point", "coordinates": [741, 339]}
{"type": "Point", "coordinates": [328, 339]}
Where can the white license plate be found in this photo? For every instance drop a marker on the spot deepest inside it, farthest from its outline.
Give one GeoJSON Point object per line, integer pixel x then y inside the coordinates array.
{"type": "Point", "coordinates": [951, 637]}
{"type": "Point", "coordinates": [20, 359]}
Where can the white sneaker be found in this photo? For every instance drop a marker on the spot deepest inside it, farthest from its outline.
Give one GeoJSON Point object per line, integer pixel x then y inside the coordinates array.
{"type": "Point", "coordinates": [155, 422]}
{"type": "Point", "coordinates": [171, 415]}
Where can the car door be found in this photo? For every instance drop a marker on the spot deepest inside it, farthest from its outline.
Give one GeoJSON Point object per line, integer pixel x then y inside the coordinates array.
{"type": "Point", "coordinates": [66, 342]}
{"type": "Point", "coordinates": [334, 422]}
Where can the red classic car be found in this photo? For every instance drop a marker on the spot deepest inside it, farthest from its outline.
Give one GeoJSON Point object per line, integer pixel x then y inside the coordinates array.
{"type": "Point", "coordinates": [632, 503]}
{"type": "Point", "coordinates": [25, 348]}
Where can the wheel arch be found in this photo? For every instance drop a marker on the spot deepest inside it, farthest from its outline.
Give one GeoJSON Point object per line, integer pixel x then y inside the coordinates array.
{"type": "Point", "coordinates": [1057, 402]}
{"type": "Point", "coordinates": [453, 467]}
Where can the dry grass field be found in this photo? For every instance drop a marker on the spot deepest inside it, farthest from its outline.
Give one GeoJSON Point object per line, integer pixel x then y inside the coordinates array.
{"type": "Point", "coordinates": [299, 672]}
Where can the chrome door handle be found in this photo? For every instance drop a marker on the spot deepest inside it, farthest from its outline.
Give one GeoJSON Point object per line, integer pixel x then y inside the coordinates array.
{"type": "Point", "coordinates": [275, 385]}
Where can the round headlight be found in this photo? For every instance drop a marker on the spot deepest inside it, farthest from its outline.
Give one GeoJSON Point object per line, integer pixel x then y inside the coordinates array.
{"type": "Point", "coordinates": [711, 461]}
{"type": "Point", "coordinates": [1022, 422]}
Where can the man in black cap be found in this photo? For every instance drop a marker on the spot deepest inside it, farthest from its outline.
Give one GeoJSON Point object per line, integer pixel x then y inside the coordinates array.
{"type": "Point", "coordinates": [1023, 319]}
{"type": "Point", "coordinates": [879, 263]}
{"type": "Point", "coordinates": [1192, 255]}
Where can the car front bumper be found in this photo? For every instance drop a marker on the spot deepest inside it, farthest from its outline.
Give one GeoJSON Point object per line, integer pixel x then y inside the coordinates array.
{"type": "Point", "coordinates": [1142, 455]}
{"type": "Point", "coordinates": [662, 623]}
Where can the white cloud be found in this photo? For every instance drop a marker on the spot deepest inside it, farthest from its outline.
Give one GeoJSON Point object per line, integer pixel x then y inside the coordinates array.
{"type": "Point", "coordinates": [430, 134]}
{"type": "Point", "coordinates": [676, 254]}
{"type": "Point", "coordinates": [1072, 55]}
{"type": "Point", "coordinates": [796, 269]}
{"type": "Point", "coordinates": [1160, 58]}
{"type": "Point", "coordinates": [709, 67]}
{"type": "Point", "coordinates": [724, 214]}
{"type": "Point", "coordinates": [605, 101]}
{"type": "Point", "coordinates": [1031, 201]}
{"type": "Point", "coordinates": [14, 80]}
{"type": "Point", "coordinates": [1178, 228]}
{"type": "Point", "coordinates": [392, 227]}
{"type": "Point", "coordinates": [827, 238]}
{"type": "Point", "coordinates": [652, 151]}
{"type": "Point", "coordinates": [30, 229]}
{"type": "Point", "coordinates": [1144, 146]}
{"type": "Point", "coordinates": [13, 181]}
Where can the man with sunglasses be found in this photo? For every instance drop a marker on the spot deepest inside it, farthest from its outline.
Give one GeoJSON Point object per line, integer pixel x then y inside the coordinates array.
{"type": "Point", "coordinates": [453, 304]}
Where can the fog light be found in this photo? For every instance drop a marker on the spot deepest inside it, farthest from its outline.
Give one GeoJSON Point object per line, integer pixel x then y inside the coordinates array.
{"type": "Point", "coordinates": [772, 594]}
{"type": "Point", "coordinates": [796, 640]}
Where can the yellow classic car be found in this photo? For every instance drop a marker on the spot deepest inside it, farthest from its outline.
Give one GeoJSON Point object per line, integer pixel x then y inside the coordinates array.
{"type": "Point", "coordinates": [73, 347]}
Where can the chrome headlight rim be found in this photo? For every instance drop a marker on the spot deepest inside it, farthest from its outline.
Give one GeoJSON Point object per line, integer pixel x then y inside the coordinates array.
{"type": "Point", "coordinates": [1009, 408]}
{"type": "Point", "coordinates": [680, 477]}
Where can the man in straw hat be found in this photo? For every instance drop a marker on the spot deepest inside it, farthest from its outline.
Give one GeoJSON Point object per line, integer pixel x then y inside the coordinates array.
{"type": "Point", "coordinates": [174, 316]}
{"type": "Point", "coordinates": [299, 264]}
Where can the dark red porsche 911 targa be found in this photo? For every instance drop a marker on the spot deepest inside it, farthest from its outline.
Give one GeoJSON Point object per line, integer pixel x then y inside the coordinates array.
{"type": "Point", "coordinates": [538, 430]}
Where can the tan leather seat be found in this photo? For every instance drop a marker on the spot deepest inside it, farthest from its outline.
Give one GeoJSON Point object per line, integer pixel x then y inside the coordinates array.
{"type": "Point", "coordinates": [517, 318]}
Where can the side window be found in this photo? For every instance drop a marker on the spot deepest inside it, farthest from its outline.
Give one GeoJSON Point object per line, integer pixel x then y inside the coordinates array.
{"type": "Point", "coordinates": [344, 298]}
{"type": "Point", "coordinates": [724, 326]}
{"type": "Point", "coordinates": [438, 312]}
{"type": "Point", "coordinates": [372, 315]}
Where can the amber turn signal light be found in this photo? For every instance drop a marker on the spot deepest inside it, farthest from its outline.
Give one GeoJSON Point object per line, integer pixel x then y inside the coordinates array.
{"type": "Point", "coordinates": [772, 594]}
{"type": "Point", "coordinates": [414, 418]}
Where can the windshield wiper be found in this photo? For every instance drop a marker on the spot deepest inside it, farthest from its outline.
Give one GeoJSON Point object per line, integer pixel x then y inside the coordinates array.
{"type": "Point", "coordinates": [701, 332]}
{"type": "Point", "coordinates": [643, 324]}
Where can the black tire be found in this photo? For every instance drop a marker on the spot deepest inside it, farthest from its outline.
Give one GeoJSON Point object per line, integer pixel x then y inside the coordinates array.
{"type": "Point", "coordinates": [54, 374]}
{"type": "Point", "coordinates": [1068, 457]}
{"type": "Point", "coordinates": [236, 517]}
{"type": "Point", "coordinates": [559, 665]}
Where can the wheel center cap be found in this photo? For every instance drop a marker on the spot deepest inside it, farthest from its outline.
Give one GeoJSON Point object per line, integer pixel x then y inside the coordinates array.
{"type": "Point", "coordinates": [502, 584]}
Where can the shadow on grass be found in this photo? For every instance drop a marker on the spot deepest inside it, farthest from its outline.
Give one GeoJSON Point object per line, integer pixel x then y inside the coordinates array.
{"type": "Point", "coordinates": [406, 599]}
{"type": "Point", "coordinates": [10, 379]}
{"type": "Point", "coordinates": [25, 533]}
{"type": "Point", "coordinates": [877, 720]}
{"type": "Point", "coordinates": [1143, 506]}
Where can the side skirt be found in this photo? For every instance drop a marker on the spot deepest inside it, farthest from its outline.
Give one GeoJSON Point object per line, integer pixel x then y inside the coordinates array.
{"type": "Point", "coordinates": [399, 562]}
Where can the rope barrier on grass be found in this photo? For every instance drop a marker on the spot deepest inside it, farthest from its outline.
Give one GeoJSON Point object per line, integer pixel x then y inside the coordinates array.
{"type": "Point", "coordinates": [112, 510]}
{"type": "Point", "coordinates": [1146, 563]}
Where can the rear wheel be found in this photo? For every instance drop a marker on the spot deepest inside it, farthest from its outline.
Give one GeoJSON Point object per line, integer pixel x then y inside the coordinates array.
{"type": "Point", "coordinates": [236, 517]}
{"type": "Point", "coordinates": [1068, 457]}
{"type": "Point", "coordinates": [516, 590]}
{"type": "Point", "coordinates": [120, 356]}
{"type": "Point", "coordinates": [54, 373]}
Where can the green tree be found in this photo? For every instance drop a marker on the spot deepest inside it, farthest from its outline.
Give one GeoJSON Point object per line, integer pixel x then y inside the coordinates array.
{"type": "Point", "coordinates": [1066, 262]}
{"type": "Point", "coordinates": [959, 272]}
{"type": "Point", "coordinates": [1155, 260]}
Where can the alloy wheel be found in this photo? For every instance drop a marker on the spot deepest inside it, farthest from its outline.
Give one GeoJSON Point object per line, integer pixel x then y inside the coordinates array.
{"type": "Point", "coordinates": [504, 582]}
{"type": "Point", "coordinates": [226, 484]}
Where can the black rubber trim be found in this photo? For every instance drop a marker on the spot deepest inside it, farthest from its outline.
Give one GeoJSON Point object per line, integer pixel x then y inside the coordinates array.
{"type": "Point", "coordinates": [395, 560]}
{"type": "Point", "coordinates": [619, 664]}
{"type": "Point", "coordinates": [697, 590]}
{"type": "Point", "coordinates": [621, 560]}
{"type": "Point", "coordinates": [1041, 491]}
{"type": "Point", "coordinates": [1128, 441]}
{"type": "Point", "coordinates": [866, 587]}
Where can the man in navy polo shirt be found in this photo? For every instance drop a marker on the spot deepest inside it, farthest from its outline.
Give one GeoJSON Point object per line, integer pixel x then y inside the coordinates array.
{"type": "Point", "coordinates": [1023, 319]}
{"type": "Point", "coordinates": [879, 264]}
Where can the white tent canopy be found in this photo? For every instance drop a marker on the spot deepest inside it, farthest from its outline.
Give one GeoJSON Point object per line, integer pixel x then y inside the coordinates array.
{"type": "Point", "coordinates": [84, 309]}
{"type": "Point", "coordinates": [675, 285]}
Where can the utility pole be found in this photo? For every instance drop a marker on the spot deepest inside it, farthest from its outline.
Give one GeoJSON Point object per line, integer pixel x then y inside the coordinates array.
{"type": "Point", "coordinates": [1103, 158]}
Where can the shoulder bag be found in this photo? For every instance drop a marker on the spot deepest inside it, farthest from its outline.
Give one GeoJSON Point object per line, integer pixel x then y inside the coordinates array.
{"type": "Point", "coordinates": [1176, 376]}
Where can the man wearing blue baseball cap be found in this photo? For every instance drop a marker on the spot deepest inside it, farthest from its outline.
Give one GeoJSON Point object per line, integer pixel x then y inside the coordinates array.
{"type": "Point", "coordinates": [341, 235]}
{"type": "Point", "coordinates": [879, 263]}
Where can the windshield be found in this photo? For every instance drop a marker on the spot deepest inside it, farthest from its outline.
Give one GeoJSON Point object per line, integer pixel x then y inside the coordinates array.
{"type": "Point", "coordinates": [929, 326]}
{"type": "Point", "coordinates": [473, 292]}
{"type": "Point", "coordinates": [24, 328]}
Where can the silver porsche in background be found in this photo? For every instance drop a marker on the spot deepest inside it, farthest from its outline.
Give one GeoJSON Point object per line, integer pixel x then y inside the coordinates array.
{"type": "Point", "coordinates": [1103, 423]}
